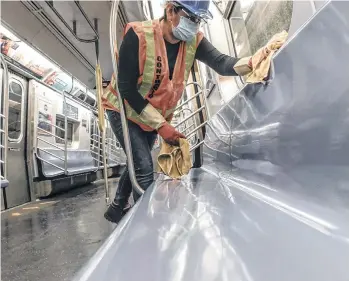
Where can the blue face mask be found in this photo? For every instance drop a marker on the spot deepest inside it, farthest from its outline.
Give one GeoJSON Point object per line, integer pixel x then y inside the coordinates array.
{"type": "Point", "coordinates": [185, 30]}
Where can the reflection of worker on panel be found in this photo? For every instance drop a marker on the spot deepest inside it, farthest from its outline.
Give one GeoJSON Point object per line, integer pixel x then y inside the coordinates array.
{"type": "Point", "coordinates": [153, 84]}
{"type": "Point", "coordinates": [45, 119]}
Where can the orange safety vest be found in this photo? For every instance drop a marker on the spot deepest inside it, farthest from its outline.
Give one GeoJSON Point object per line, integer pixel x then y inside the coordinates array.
{"type": "Point", "coordinates": [154, 83]}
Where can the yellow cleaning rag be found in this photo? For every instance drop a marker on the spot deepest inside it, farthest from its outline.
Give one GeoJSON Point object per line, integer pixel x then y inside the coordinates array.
{"type": "Point", "coordinates": [174, 161]}
{"type": "Point", "coordinates": [261, 60]}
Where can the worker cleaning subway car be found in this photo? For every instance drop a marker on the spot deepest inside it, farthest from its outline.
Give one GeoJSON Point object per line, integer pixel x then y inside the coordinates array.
{"type": "Point", "coordinates": [154, 61]}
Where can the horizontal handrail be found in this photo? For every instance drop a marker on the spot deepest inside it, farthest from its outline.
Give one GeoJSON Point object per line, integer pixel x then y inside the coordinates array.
{"type": "Point", "coordinates": [188, 100]}
{"type": "Point", "coordinates": [197, 128]}
{"type": "Point", "coordinates": [100, 149]}
{"type": "Point", "coordinates": [52, 154]}
{"type": "Point", "coordinates": [53, 125]}
{"type": "Point", "coordinates": [188, 128]}
{"type": "Point", "coordinates": [111, 144]}
{"type": "Point", "coordinates": [114, 159]}
{"type": "Point", "coordinates": [190, 116]}
{"type": "Point", "coordinates": [94, 145]}
{"type": "Point", "coordinates": [56, 146]}
{"type": "Point", "coordinates": [47, 162]}
{"type": "Point", "coordinates": [194, 83]}
{"type": "Point", "coordinates": [96, 159]}
{"type": "Point", "coordinates": [193, 132]}
{"type": "Point", "coordinates": [196, 146]}
{"type": "Point", "coordinates": [51, 134]}
{"type": "Point", "coordinates": [189, 138]}
{"type": "Point", "coordinates": [94, 152]}
{"type": "Point", "coordinates": [95, 140]}
{"type": "Point", "coordinates": [112, 140]}
{"type": "Point", "coordinates": [182, 110]}
{"type": "Point", "coordinates": [96, 135]}
{"type": "Point", "coordinates": [114, 151]}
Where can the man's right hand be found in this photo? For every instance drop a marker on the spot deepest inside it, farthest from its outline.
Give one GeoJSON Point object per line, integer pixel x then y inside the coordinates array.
{"type": "Point", "coordinates": [170, 134]}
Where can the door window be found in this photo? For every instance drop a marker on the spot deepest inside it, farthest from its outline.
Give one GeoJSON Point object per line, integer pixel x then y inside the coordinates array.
{"type": "Point", "coordinates": [15, 111]}
{"type": "Point", "coordinates": [253, 23]}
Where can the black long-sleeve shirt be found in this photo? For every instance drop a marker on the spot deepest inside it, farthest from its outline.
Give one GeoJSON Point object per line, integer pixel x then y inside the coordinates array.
{"type": "Point", "coordinates": [129, 65]}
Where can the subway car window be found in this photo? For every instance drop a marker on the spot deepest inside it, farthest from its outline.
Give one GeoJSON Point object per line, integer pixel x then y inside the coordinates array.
{"type": "Point", "coordinates": [60, 133]}
{"type": "Point", "coordinates": [15, 111]}
{"type": "Point", "coordinates": [253, 23]}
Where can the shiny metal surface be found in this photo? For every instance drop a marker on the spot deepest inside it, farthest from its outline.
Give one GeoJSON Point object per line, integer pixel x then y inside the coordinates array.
{"type": "Point", "coordinates": [271, 202]}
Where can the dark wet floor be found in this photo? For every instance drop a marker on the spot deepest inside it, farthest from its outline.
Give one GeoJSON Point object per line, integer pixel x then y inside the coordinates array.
{"type": "Point", "coordinates": [51, 239]}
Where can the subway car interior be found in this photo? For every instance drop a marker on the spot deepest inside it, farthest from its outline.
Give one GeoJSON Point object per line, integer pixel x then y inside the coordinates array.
{"type": "Point", "coordinates": [267, 196]}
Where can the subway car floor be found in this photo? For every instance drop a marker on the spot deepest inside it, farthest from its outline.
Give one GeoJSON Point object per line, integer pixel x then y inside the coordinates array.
{"type": "Point", "coordinates": [51, 239]}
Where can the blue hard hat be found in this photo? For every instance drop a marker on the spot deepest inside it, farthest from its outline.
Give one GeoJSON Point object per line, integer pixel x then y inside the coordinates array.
{"type": "Point", "coordinates": [198, 8]}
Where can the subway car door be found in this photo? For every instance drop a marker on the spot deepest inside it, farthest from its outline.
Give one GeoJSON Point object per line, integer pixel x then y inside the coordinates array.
{"type": "Point", "coordinates": [18, 191]}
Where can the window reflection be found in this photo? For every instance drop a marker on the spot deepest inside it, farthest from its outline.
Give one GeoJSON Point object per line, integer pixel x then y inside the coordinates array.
{"type": "Point", "coordinates": [15, 111]}
{"type": "Point", "coordinates": [253, 23]}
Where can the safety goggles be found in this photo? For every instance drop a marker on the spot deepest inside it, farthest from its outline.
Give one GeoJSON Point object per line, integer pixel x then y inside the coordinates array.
{"type": "Point", "coordinates": [189, 15]}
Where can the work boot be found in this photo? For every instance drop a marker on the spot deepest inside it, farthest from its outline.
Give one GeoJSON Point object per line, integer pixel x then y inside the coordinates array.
{"type": "Point", "coordinates": [115, 211]}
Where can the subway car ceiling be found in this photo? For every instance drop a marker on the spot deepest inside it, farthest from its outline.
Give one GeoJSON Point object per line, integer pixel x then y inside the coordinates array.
{"type": "Point", "coordinates": [38, 23]}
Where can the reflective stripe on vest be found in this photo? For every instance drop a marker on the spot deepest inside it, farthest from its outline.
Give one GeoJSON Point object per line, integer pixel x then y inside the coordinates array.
{"type": "Point", "coordinates": [149, 66]}
{"type": "Point", "coordinates": [149, 33]}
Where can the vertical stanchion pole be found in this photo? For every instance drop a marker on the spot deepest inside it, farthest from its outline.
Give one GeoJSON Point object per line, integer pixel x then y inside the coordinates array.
{"type": "Point", "coordinates": [101, 124]}
{"type": "Point", "coordinates": [65, 112]}
{"type": "Point", "coordinates": [101, 116]}
{"type": "Point", "coordinates": [128, 148]}
{"type": "Point", "coordinates": [98, 134]}
{"type": "Point", "coordinates": [105, 170]}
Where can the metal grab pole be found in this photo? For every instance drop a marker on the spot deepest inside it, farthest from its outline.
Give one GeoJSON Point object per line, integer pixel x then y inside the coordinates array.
{"type": "Point", "coordinates": [128, 148]}
{"type": "Point", "coordinates": [4, 119]}
{"type": "Point", "coordinates": [105, 170]}
{"type": "Point", "coordinates": [65, 133]}
{"type": "Point", "coordinates": [101, 124]}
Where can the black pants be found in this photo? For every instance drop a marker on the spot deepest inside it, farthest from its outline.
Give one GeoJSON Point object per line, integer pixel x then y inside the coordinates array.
{"type": "Point", "coordinates": [142, 143]}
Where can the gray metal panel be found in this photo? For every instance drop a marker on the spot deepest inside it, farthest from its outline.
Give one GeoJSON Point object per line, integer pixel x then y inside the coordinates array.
{"type": "Point", "coordinates": [281, 212]}
{"type": "Point", "coordinates": [18, 191]}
